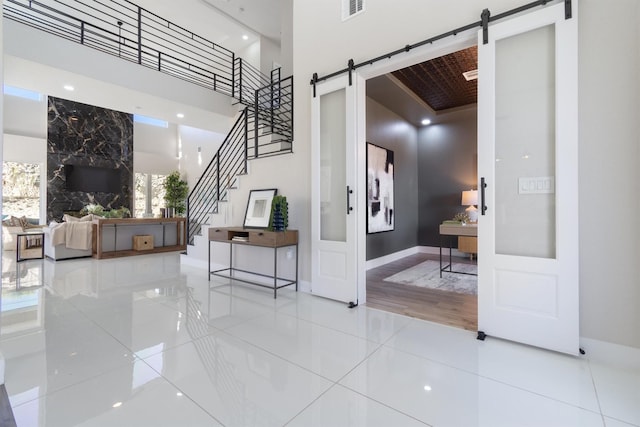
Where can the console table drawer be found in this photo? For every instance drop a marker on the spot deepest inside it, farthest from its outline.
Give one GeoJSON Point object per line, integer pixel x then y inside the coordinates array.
{"type": "Point", "coordinates": [219, 234]}
{"type": "Point", "coordinates": [273, 238]}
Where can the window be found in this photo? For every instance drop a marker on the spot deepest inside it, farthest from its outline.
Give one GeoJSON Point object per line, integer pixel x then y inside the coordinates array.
{"type": "Point", "coordinates": [21, 190]}
{"type": "Point", "coordinates": [351, 8]}
{"type": "Point", "coordinates": [150, 121]}
{"type": "Point", "coordinates": [149, 194]}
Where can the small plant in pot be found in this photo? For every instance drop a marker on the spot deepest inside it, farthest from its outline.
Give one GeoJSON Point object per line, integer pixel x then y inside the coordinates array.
{"type": "Point", "coordinates": [176, 191]}
{"type": "Point", "coordinates": [279, 219]}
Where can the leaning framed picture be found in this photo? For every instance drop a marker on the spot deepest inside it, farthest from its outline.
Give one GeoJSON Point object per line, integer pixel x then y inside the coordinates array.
{"type": "Point", "coordinates": [259, 208]}
{"type": "Point", "coordinates": [380, 211]}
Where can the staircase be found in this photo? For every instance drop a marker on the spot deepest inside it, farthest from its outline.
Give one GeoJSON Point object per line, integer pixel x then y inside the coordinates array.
{"type": "Point", "coordinates": [264, 126]}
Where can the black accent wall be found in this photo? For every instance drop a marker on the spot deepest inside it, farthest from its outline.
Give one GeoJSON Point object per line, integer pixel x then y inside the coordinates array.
{"type": "Point", "coordinates": [81, 134]}
{"type": "Point", "coordinates": [447, 165]}
{"type": "Point", "coordinates": [388, 130]}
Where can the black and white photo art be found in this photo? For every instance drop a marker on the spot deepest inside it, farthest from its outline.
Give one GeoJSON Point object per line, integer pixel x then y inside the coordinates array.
{"type": "Point", "coordinates": [380, 212]}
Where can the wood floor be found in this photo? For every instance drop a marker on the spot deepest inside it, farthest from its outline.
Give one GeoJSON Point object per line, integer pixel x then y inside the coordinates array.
{"type": "Point", "coordinates": [449, 308]}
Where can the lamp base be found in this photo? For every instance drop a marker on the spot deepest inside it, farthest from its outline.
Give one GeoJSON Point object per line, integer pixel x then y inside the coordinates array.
{"type": "Point", "coordinates": [472, 212]}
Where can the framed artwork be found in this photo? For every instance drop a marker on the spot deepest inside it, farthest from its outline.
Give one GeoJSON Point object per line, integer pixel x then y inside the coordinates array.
{"type": "Point", "coordinates": [259, 208]}
{"type": "Point", "coordinates": [380, 211]}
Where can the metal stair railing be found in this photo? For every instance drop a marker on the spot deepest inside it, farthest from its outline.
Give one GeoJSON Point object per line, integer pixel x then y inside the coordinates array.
{"type": "Point", "coordinates": [249, 79]}
{"type": "Point", "coordinates": [265, 128]}
{"type": "Point", "coordinates": [273, 115]}
{"type": "Point", "coordinates": [218, 177]}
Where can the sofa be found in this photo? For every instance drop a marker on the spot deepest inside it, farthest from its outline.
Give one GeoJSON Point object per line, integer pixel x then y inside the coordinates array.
{"type": "Point", "coordinates": [69, 239]}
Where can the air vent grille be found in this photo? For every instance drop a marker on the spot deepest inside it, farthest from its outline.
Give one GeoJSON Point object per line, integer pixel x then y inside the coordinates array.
{"type": "Point", "coordinates": [351, 8]}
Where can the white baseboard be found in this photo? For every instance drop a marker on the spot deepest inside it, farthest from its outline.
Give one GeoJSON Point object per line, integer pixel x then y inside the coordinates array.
{"type": "Point", "coordinates": [433, 250]}
{"type": "Point", "coordinates": [377, 262]}
{"type": "Point", "coordinates": [304, 286]}
{"type": "Point", "coordinates": [611, 354]}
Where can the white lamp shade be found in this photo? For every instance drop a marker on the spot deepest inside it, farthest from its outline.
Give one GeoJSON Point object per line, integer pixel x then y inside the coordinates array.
{"type": "Point", "coordinates": [469, 198]}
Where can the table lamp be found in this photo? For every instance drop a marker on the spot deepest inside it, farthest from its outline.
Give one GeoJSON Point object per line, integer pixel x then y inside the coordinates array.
{"type": "Point", "coordinates": [470, 199]}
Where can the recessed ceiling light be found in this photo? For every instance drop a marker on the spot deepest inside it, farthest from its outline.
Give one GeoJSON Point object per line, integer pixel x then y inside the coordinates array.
{"type": "Point", "coordinates": [245, 37]}
{"type": "Point", "coordinates": [180, 116]}
{"type": "Point", "coordinates": [426, 122]}
{"type": "Point", "coordinates": [117, 405]}
{"type": "Point", "coordinates": [69, 87]}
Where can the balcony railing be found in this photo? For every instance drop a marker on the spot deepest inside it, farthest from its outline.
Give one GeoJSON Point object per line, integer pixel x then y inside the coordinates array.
{"type": "Point", "coordinates": [123, 29]}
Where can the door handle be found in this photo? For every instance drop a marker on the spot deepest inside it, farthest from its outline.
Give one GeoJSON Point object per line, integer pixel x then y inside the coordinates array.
{"type": "Point", "coordinates": [349, 208]}
{"type": "Point", "coordinates": [483, 185]}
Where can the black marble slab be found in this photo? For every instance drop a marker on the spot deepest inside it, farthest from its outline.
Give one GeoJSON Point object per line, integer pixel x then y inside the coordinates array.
{"type": "Point", "coordinates": [81, 134]}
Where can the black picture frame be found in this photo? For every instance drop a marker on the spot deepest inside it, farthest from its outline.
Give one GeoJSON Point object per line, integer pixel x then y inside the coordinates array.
{"type": "Point", "coordinates": [380, 189]}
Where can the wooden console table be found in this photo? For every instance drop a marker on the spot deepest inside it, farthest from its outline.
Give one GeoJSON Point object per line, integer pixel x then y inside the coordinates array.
{"type": "Point", "coordinates": [252, 237]}
{"type": "Point", "coordinates": [113, 237]}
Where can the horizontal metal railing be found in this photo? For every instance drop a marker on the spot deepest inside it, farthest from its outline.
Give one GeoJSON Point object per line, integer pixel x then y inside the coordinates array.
{"type": "Point", "coordinates": [273, 116]}
{"type": "Point", "coordinates": [123, 29]}
{"type": "Point", "coordinates": [216, 180]}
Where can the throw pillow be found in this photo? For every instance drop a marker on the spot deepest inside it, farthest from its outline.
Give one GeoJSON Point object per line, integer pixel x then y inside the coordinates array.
{"type": "Point", "coordinates": [19, 222]}
{"type": "Point", "coordinates": [69, 218]}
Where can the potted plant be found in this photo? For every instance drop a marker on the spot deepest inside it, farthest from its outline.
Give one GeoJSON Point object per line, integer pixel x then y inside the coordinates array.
{"type": "Point", "coordinates": [279, 219]}
{"type": "Point", "coordinates": [176, 191]}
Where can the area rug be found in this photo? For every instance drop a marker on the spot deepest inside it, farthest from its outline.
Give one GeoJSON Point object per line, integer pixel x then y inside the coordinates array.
{"type": "Point", "coordinates": [427, 275]}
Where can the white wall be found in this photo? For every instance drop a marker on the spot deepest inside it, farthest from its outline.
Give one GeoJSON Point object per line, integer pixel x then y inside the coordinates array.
{"type": "Point", "coordinates": [269, 53]}
{"type": "Point", "coordinates": [609, 90]}
{"type": "Point", "coordinates": [155, 149]}
{"type": "Point", "coordinates": [286, 37]}
{"type": "Point", "coordinates": [25, 149]}
{"type": "Point", "coordinates": [609, 154]}
{"type": "Point", "coordinates": [251, 54]}
{"type": "Point", "coordinates": [192, 138]}
{"type": "Point", "coordinates": [25, 116]}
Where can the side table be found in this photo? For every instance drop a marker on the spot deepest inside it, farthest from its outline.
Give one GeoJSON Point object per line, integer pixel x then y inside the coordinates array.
{"type": "Point", "coordinates": [32, 240]}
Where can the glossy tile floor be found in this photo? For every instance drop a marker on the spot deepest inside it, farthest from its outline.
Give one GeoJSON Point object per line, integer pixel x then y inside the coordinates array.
{"type": "Point", "coordinates": [144, 341]}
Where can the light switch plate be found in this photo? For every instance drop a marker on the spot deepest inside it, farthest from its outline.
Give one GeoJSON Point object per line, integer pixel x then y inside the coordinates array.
{"type": "Point", "coordinates": [536, 185]}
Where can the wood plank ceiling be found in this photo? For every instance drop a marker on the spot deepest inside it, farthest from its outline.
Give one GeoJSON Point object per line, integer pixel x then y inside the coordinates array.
{"type": "Point", "coordinates": [439, 82]}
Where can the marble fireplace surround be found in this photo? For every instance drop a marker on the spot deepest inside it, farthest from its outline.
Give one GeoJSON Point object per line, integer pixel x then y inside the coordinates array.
{"type": "Point", "coordinates": [81, 134]}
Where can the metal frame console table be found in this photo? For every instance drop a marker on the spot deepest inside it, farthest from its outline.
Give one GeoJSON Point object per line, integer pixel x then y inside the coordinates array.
{"type": "Point", "coordinates": [253, 237]}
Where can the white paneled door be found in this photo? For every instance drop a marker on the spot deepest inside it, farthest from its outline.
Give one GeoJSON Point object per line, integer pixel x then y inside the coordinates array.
{"type": "Point", "coordinates": [334, 194]}
{"type": "Point", "coordinates": [528, 169]}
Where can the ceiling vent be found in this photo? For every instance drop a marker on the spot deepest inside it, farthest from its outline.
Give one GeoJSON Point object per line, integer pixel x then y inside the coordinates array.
{"type": "Point", "coordinates": [471, 75]}
{"type": "Point", "coordinates": [351, 8]}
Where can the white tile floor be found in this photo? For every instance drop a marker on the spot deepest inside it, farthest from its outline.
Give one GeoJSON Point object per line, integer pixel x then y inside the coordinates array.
{"type": "Point", "coordinates": [142, 341]}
